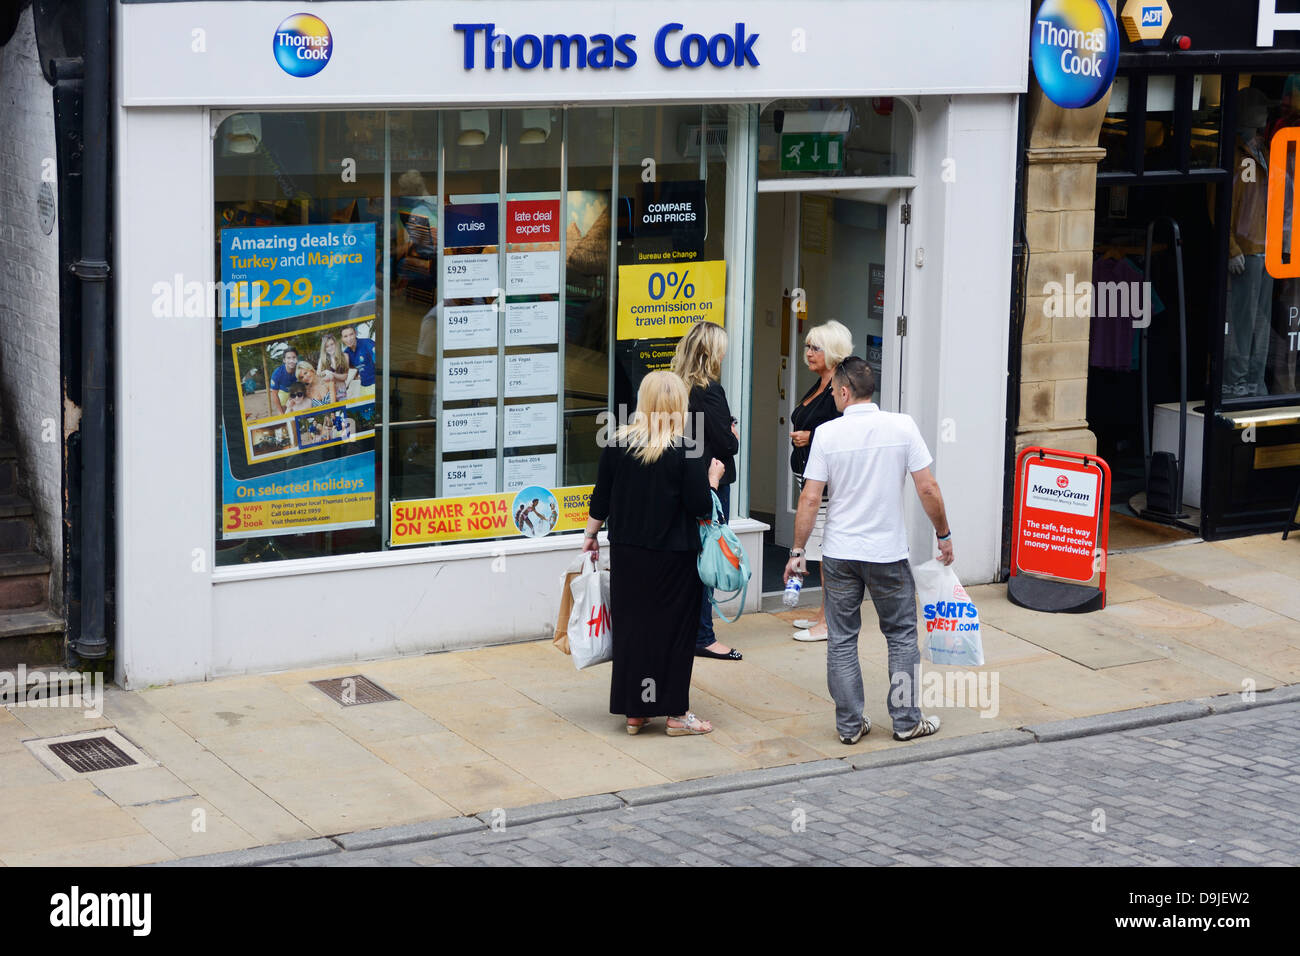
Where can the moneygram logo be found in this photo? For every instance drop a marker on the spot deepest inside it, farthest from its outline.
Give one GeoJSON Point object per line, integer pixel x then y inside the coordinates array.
{"type": "Point", "coordinates": [1075, 49]}
{"type": "Point", "coordinates": [1053, 489]}
{"type": "Point", "coordinates": [302, 45]}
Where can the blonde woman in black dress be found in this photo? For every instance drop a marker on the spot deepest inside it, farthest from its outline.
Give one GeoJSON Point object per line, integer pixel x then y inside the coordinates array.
{"type": "Point", "coordinates": [653, 492]}
{"type": "Point", "coordinates": [825, 348]}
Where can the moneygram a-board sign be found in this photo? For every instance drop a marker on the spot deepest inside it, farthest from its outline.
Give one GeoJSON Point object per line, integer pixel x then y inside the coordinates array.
{"type": "Point", "coordinates": [1061, 516]}
{"type": "Point", "coordinates": [1075, 48]}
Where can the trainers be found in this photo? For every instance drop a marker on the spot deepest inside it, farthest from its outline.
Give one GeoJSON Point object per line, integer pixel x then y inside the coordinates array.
{"type": "Point", "coordinates": [926, 727]}
{"type": "Point", "coordinates": [862, 732]}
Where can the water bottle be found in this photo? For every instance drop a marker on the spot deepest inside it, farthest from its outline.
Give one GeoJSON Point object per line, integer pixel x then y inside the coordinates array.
{"type": "Point", "coordinates": [792, 588]}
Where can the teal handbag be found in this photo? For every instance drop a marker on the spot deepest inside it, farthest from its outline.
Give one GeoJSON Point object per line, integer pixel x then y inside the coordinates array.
{"type": "Point", "coordinates": [722, 563]}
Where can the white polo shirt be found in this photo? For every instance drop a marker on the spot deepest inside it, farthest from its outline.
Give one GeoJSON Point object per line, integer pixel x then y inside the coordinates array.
{"type": "Point", "coordinates": [865, 457]}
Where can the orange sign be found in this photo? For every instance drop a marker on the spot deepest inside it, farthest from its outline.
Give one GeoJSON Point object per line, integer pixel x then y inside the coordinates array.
{"type": "Point", "coordinates": [1277, 183]}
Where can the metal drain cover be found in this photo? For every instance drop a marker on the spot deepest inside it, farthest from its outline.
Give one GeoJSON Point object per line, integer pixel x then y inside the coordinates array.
{"type": "Point", "coordinates": [354, 690]}
{"type": "Point", "coordinates": [91, 754]}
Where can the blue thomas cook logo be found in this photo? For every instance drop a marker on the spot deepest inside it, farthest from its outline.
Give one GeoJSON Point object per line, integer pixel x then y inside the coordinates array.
{"type": "Point", "coordinates": [302, 45]}
{"type": "Point", "coordinates": [1075, 48]}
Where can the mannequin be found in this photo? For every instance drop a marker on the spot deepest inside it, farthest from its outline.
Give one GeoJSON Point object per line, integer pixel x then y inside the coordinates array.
{"type": "Point", "coordinates": [1250, 287]}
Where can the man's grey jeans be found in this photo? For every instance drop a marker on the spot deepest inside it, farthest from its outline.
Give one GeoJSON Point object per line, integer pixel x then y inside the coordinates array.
{"type": "Point", "coordinates": [893, 592]}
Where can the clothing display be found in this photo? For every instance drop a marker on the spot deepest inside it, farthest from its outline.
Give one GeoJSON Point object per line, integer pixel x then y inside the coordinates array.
{"type": "Point", "coordinates": [1250, 287]}
{"type": "Point", "coordinates": [1110, 337]}
{"type": "Point", "coordinates": [1250, 310]}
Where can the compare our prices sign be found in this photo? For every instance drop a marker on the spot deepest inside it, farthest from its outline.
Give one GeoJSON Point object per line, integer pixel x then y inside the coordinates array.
{"type": "Point", "coordinates": [1059, 516]}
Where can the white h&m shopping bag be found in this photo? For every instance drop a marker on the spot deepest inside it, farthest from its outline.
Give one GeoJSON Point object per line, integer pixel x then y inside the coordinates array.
{"type": "Point", "coordinates": [591, 633]}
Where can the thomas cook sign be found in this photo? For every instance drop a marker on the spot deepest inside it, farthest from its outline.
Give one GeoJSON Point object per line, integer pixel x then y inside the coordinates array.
{"type": "Point", "coordinates": [1075, 49]}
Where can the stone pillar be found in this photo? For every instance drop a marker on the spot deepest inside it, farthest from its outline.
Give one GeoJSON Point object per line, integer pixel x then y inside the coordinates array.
{"type": "Point", "coordinates": [1060, 199]}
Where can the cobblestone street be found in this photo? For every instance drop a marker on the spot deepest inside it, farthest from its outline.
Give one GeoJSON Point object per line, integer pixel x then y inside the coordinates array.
{"type": "Point", "coordinates": [1218, 791]}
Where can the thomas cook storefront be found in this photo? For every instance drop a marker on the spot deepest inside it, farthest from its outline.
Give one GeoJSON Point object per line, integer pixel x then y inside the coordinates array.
{"type": "Point", "coordinates": [389, 270]}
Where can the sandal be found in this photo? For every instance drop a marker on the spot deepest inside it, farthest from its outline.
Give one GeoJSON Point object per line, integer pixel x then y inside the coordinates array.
{"type": "Point", "coordinates": [690, 726]}
{"type": "Point", "coordinates": [635, 729]}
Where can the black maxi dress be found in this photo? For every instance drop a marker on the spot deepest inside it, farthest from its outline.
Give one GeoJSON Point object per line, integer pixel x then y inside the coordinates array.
{"type": "Point", "coordinates": [653, 513]}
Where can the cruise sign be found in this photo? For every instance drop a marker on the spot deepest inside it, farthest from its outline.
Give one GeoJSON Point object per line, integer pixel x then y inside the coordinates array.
{"type": "Point", "coordinates": [1075, 48]}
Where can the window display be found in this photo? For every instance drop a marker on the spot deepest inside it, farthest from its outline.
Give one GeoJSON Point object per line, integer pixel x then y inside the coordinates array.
{"type": "Point", "coordinates": [431, 351]}
{"type": "Point", "coordinates": [1263, 302]}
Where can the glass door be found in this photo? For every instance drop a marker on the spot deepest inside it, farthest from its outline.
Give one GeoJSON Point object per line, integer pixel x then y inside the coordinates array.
{"type": "Point", "coordinates": [836, 266]}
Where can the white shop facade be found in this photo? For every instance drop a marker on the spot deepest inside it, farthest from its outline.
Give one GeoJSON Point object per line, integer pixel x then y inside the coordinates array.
{"type": "Point", "coordinates": [385, 270]}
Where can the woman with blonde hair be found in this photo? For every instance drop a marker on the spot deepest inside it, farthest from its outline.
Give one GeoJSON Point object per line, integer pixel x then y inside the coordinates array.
{"type": "Point", "coordinates": [653, 492]}
{"type": "Point", "coordinates": [825, 347]}
{"type": "Point", "coordinates": [698, 362]}
{"type": "Point", "coordinates": [333, 366]}
{"type": "Point", "coordinates": [318, 389]}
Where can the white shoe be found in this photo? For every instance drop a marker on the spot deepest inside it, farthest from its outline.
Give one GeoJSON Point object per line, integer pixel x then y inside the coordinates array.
{"type": "Point", "coordinates": [807, 635]}
{"type": "Point", "coordinates": [924, 728]}
{"type": "Point", "coordinates": [862, 732]}
{"type": "Point", "coordinates": [804, 623]}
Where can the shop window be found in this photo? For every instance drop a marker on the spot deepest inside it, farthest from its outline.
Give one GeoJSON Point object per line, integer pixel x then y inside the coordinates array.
{"type": "Point", "coordinates": [1206, 120]}
{"type": "Point", "coordinates": [1160, 127]}
{"type": "Point", "coordinates": [835, 137]}
{"type": "Point", "coordinates": [423, 332]}
{"type": "Point", "coordinates": [671, 235]}
{"type": "Point", "coordinates": [1162, 124]}
{"type": "Point", "coordinates": [1263, 301]}
{"type": "Point", "coordinates": [1116, 136]}
{"type": "Point", "coordinates": [300, 251]}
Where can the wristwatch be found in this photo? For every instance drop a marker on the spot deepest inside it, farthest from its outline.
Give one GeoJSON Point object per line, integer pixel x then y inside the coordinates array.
{"type": "Point", "coordinates": [796, 552]}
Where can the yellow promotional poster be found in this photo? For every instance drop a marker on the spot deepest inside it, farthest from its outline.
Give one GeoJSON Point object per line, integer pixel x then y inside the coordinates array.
{"type": "Point", "coordinates": [662, 301]}
{"type": "Point", "coordinates": [533, 512]}
{"type": "Point", "coordinates": [303, 510]}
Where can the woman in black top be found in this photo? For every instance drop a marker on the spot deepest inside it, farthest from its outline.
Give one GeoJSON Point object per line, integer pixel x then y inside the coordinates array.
{"type": "Point", "coordinates": [698, 361]}
{"type": "Point", "coordinates": [825, 347]}
{"type": "Point", "coordinates": [653, 493]}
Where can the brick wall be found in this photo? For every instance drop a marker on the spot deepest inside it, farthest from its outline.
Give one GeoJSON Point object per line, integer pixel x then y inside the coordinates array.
{"type": "Point", "coordinates": [30, 391]}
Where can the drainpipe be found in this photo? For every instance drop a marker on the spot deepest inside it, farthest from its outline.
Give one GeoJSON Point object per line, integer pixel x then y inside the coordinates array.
{"type": "Point", "coordinates": [92, 270]}
{"type": "Point", "coordinates": [1019, 274]}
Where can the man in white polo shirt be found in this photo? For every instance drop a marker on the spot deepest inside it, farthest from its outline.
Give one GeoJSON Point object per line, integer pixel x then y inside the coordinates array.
{"type": "Point", "coordinates": [865, 457]}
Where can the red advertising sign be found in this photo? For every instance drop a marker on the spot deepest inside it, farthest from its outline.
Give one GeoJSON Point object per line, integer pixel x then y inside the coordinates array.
{"type": "Point", "coordinates": [533, 220]}
{"type": "Point", "coordinates": [1061, 515]}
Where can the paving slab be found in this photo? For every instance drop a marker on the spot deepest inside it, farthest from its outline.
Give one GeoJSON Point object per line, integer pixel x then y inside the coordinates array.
{"type": "Point", "coordinates": [269, 759]}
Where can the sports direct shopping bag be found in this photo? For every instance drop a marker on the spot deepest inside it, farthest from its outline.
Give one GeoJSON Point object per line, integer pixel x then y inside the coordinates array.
{"type": "Point", "coordinates": [952, 625]}
{"type": "Point", "coordinates": [591, 634]}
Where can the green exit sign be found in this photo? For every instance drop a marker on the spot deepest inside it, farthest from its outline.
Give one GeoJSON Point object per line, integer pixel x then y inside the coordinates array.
{"type": "Point", "coordinates": [812, 152]}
